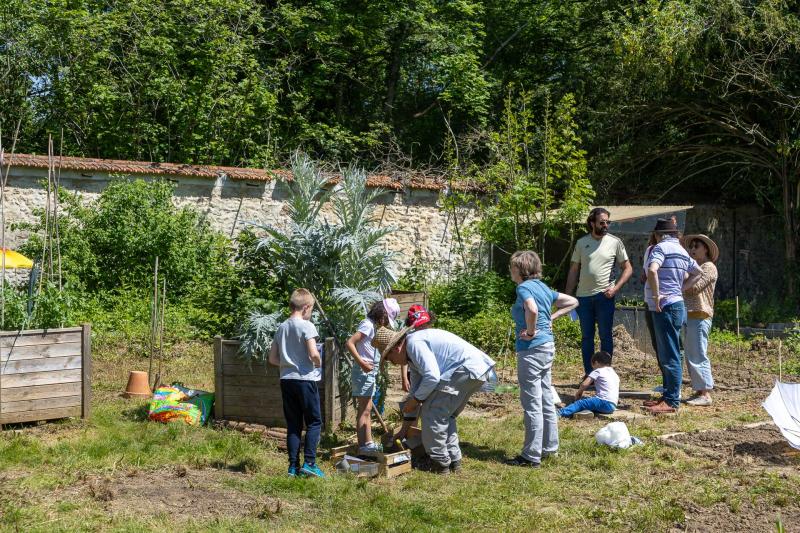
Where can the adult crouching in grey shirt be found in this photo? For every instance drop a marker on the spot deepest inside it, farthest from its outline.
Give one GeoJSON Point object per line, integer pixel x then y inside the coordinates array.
{"type": "Point", "coordinates": [449, 370]}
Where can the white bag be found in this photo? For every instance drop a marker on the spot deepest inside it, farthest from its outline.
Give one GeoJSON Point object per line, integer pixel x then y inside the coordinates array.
{"type": "Point", "coordinates": [615, 435]}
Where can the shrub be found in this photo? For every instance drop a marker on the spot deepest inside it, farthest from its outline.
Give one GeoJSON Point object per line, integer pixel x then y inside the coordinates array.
{"type": "Point", "coordinates": [108, 248]}
{"type": "Point", "coordinates": [491, 329]}
{"type": "Point", "coordinates": [725, 313]}
{"type": "Point", "coordinates": [114, 241]}
{"type": "Point", "coordinates": [50, 308]}
{"type": "Point", "coordinates": [471, 291]}
{"type": "Point", "coordinates": [567, 332]}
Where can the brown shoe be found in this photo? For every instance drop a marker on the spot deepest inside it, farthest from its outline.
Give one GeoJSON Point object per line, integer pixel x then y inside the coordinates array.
{"type": "Point", "coordinates": [651, 403]}
{"type": "Point", "coordinates": [661, 408]}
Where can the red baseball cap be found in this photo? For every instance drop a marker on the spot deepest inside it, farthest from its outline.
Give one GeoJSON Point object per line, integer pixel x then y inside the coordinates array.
{"type": "Point", "coordinates": [417, 316]}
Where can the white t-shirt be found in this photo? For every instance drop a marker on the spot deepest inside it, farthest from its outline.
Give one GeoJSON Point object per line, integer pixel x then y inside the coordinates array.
{"type": "Point", "coordinates": [364, 347]}
{"type": "Point", "coordinates": [606, 383]}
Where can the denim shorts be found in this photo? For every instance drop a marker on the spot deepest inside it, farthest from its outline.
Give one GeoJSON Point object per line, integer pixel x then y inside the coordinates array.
{"type": "Point", "coordinates": [362, 383]}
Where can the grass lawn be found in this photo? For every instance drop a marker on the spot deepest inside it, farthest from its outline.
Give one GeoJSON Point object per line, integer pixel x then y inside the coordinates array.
{"type": "Point", "coordinates": [119, 472]}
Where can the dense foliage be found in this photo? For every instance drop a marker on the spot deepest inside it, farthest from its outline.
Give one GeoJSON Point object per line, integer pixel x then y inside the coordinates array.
{"type": "Point", "coordinates": [105, 256]}
{"type": "Point", "coordinates": [652, 101]}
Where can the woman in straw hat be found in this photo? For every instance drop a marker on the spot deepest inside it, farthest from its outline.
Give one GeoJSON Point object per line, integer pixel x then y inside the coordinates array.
{"type": "Point", "coordinates": [448, 370]}
{"type": "Point", "coordinates": [699, 297]}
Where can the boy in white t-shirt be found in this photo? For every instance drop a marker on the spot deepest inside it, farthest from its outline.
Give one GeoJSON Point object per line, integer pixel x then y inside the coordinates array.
{"type": "Point", "coordinates": [606, 383]}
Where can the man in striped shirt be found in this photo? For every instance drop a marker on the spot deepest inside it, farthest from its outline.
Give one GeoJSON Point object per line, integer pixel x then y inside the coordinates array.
{"type": "Point", "coordinates": [668, 267]}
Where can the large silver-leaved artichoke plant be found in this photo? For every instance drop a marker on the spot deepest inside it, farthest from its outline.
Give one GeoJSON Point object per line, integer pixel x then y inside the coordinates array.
{"type": "Point", "coordinates": [340, 257]}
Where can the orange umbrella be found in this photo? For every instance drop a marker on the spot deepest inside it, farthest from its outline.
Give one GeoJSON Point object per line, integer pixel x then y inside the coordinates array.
{"type": "Point", "coordinates": [14, 259]}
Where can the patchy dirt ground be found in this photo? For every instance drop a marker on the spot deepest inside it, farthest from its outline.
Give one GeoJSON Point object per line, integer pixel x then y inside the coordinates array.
{"type": "Point", "coordinates": [740, 516]}
{"type": "Point", "coordinates": [747, 447]}
{"type": "Point", "coordinates": [179, 492]}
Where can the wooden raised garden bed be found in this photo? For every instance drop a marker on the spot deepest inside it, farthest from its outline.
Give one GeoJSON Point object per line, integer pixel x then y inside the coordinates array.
{"type": "Point", "coordinates": [406, 299]}
{"type": "Point", "coordinates": [45, 374]}
{"type": "Point", "coordinates": [252, 393]}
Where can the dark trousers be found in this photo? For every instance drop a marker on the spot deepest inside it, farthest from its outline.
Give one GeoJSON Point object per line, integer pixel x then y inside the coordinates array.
{"type": "Point", "coordinates": [301, 404]}
{"type": "Point", "coordinates": [648, 318]}
{"type": "Point", "coordinates": [595, 312]}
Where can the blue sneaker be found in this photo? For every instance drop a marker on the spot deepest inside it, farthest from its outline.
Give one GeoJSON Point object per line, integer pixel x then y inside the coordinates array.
{"type": "Point", "coordinates": [311, 470]}
{"type": "Point", "coordinates": [292, 471]}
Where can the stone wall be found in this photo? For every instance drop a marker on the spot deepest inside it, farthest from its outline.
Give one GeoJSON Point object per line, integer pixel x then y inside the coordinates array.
{"type": "Point", "coordinates": [751, 262]}
{"type": "Point", "coordinates": [227, 204]}
{"type": "Point", "coordinates": [750, 241]}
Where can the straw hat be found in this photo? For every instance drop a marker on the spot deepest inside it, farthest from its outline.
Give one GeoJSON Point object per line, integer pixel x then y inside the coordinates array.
{"type": "Point", "coordinates": [713, 250]}
{"type": "Point", "coordinates": [386, 339]}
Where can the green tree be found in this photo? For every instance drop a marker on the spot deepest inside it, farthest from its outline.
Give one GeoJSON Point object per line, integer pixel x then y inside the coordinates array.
{"type": "Point", "coordinates": [535, 182]}
{"type": "Point", "coordinates": [711, 105]}
{"type": "Point", "coordinates": [162, 81]}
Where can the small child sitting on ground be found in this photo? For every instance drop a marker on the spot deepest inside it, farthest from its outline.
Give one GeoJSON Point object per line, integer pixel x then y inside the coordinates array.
{"type": "Point", "coordinates": [606, 383]}
{"type": "Point", "coordinates": [294, 350]}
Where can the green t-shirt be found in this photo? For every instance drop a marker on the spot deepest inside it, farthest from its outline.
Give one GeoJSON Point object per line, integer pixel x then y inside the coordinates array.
{"type": "Point", "coordinates": [596, 259]}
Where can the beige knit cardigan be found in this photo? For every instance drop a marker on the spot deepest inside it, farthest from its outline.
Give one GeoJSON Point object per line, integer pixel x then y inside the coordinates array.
{"type": "Point", "coordinates": [700, 297]}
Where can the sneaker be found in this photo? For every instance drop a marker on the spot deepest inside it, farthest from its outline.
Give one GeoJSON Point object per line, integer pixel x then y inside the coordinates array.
{"type": "Point", "coordinates": [292, 471]}
{"type": "Point", "coordinates": [455, 466]}
{"type": "Point", "coordinates": [545, 455]}
{"type": "Point", "coordinates": [700, 401]}
{"type": "Point", "coordinates": [311, 470]}
{"type": "Point", "coordinates": [521, 461]}
{"type": "Point", "coordinates": [370, 447]}
{"type": "Point", "coordinates": [651, 403]}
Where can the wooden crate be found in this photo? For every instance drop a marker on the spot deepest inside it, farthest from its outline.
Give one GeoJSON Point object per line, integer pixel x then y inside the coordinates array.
{"type": "Point", "coordinates": [406, 299]}
{"type": "Point", "coordinates": [252, 393]}
{"type": "Point", "coordinates": [390, 464]}
{"type": "Point", "coordinates": [45, 374]}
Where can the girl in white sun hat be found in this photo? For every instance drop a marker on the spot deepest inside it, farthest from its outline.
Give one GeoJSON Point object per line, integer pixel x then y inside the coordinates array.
{"type": "Point", "coordinates": [366, 361]}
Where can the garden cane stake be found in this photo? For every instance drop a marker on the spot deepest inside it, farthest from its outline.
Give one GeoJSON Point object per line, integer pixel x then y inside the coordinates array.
{"type": "Point", "coordinates": [153, 316]}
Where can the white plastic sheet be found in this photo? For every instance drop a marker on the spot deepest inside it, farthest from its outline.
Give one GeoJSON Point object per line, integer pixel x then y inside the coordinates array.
{"type": "Point", "coordinates": [783, 405]}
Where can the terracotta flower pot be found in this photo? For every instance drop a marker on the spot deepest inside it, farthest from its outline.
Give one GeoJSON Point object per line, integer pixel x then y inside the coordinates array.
{"type": "Point", "coordinates": [138, 385]}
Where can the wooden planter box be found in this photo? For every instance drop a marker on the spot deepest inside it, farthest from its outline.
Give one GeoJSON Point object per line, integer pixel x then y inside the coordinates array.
{"type": "Point", "coordinates": [45, 374]}
{"type": "Point", "coordinates": [406, 299]}
{"type": "Point", "coordinates": [252, 393]}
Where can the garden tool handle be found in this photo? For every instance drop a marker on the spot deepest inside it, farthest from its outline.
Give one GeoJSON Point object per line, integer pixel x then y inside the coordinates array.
{"type": "Point", "coordinates": [380, 418]}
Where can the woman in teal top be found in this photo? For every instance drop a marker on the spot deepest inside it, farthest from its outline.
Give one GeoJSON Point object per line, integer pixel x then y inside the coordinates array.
{"type": "Point", "coordinates": [535, 353]}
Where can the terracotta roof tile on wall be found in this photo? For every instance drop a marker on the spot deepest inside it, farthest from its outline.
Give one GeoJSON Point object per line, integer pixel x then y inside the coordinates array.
{"type": "Point", "coordinates": [116, 166]}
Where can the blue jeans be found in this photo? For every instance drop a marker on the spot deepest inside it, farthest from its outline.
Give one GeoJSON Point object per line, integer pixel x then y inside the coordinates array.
{"type": "Point", "coordinates": [301, 404]}
{"type": "Point", "coordinates": [697, 353]}
{"type": "Point", "coordinates": [668, 324]}
{"type": "Point", "coordinates": [599, 310]}
{"type": "Point", "coordinates": [535, 395]}
{"type": "Point", "coordinates": [592, 403]}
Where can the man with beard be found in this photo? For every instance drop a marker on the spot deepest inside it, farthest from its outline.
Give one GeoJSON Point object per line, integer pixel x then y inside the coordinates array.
{"type": "Point", "coordinates": [591, 269]}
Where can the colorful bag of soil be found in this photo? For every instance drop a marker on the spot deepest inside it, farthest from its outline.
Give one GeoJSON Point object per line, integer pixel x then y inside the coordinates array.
{"type": "Point", "coordinates": [177, 402]}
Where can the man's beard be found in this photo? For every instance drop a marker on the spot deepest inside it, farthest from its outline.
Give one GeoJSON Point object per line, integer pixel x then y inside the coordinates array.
{"type": "Point", "coordinates": [601, 231]}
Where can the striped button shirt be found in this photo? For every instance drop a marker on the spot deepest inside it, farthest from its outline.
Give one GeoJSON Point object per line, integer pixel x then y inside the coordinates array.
{"type": "Point", "coordinates": [674, 263]}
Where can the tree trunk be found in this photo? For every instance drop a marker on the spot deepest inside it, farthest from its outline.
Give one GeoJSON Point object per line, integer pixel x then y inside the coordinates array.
{"type": "Point", "coordinates": [791, 227]}
{"type": "Point", "coordinates": [393, 71]}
